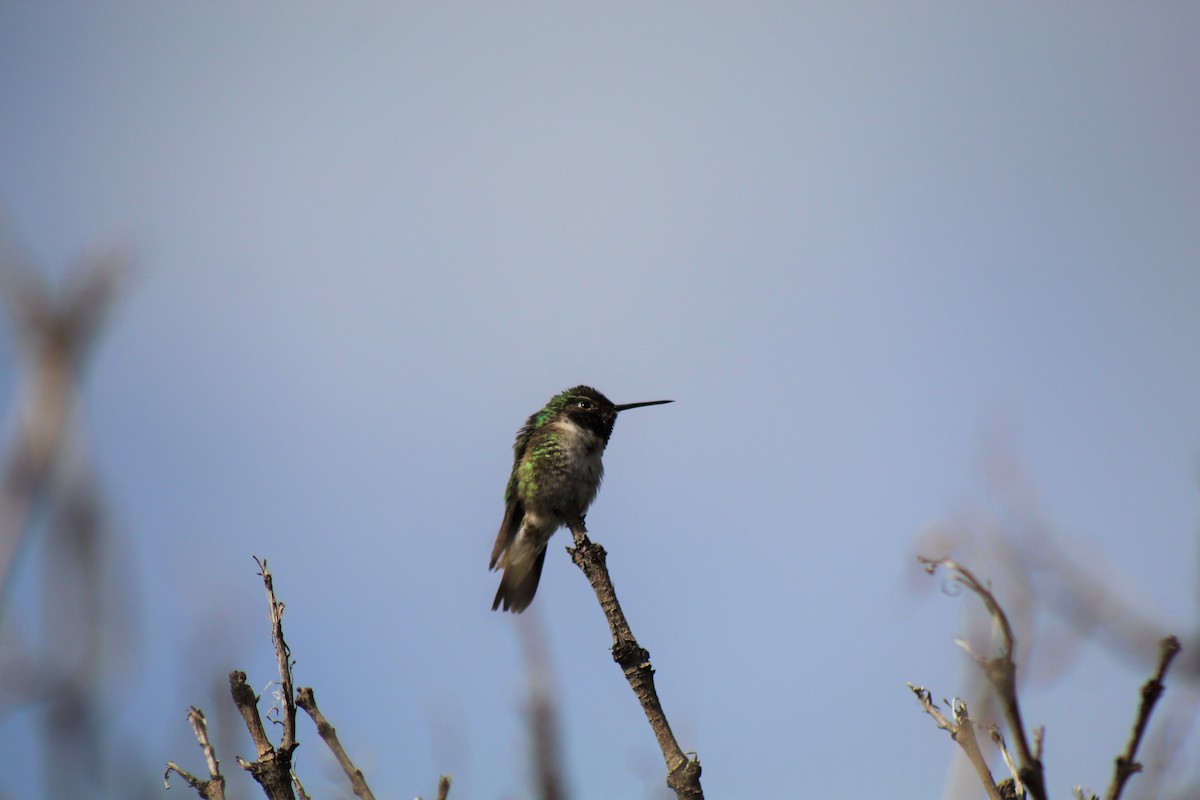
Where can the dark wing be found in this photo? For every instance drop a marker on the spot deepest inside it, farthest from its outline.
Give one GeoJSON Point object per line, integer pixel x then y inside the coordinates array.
{"type": "Point", "coordinates": [514, 512]}
{"type": "Point", "coordinates": [508, 528]}
{"type": "Point", "coordinates": [522, 442]}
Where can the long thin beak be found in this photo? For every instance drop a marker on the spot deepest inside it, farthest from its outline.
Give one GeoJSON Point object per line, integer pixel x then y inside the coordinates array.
{"type": "Point", "coordinates": [639, 405]}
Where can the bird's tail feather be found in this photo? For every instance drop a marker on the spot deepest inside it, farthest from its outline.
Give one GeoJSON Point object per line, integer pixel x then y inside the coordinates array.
{"type": "Point", "coordinates": [519, 583]}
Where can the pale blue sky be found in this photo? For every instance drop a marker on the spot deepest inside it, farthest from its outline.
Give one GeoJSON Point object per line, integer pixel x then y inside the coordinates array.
{"type": "Point", "coordinates": [850, 240]}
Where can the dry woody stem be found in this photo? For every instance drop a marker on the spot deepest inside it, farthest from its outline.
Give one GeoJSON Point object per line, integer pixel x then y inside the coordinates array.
{"type": "Point", "coordinates": [308, 701]}
{"type": "Point", "coordinates": [683, 773]}
{"type": "Point", "coordinates": [1126, 764]}
{"type": "Point", "coordinates": [1001, 672]}
{"type": "Point", "coordinates": [214, 787]}
{"type": "Point", "coordinates": [962, 731]}
{"type": "Point", "coordinates": [272, 767]}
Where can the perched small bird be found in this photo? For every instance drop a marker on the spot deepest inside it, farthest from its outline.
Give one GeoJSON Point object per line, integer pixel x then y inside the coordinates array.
{"type": "Point", "coordinates": [556, 473]}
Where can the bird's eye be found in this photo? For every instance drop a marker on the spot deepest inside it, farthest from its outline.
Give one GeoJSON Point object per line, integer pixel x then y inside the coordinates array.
{"type": "Point", "coordinates": [585, 404]}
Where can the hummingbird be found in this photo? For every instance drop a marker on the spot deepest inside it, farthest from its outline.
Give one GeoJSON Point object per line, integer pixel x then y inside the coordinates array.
{"type": "Point", "coordinates": [556, 473]}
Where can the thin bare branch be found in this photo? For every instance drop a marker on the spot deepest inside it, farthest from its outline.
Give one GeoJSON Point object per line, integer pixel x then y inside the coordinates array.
{"type": "Point", "coordinates": [1126, 763]}
{"type": "Point", "coordinates": [214, 787]}
{"type": "Point", "coordinates": [308, 701]}
{"type": "Point", "coordinates": [1001, 672]}
{"type": "Point", "coordinates": [962, 731]}
{"type": "Point", "coordinates": [273, 767]}
{"type": "Point", "coordinates": [443, 787]}
{"type": "Point", "coordinates": [1002, 746]}
{"type": "Point", "coordinates": [300, 793]}
{"type": "Point", "coordinates": [283, 659]}
{"type": "Point", "coordinates": [683, 773]}
{"type": "Point", "coordinates": [196, 783]}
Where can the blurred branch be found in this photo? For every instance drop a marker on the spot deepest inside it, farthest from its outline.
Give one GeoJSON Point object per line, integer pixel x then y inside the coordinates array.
{"type": "Point", "coordinates": [214, 787]}
{"type": "Point", "coordinates": [1084, 594]}
{"type": "Point", "coordinates": [308, 701]}
{"type": "Point", "coordinates": [1059, 594]}
{"type": "Point", "coordinates": [543, 716]}
{"type": "Point", "coordinates": [443, 788]}
{"type": "Point", "coordinates": [683, 773]}
{"type": "Point", "coordinates": [55, 335]}
{"type": "Point", "coordinates": [64, 675]}
{"type": "Point", "coordinates": [1126, 765]}
{"type": "Point", "coordinates": [1001, 672]}
{"type": "Point", "coordinates": [962, 731]}
{"type": "Point", "coordinates": [547, 759]}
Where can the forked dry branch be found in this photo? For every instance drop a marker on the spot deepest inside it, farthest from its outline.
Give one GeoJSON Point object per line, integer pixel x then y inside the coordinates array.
{"type": "Point", "coordinates": [1028, 773]}
{"type": "Point", "coordinates": [272, 767]}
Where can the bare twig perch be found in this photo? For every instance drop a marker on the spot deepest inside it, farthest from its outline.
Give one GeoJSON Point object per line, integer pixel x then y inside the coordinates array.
{"type": "Point", "coordinates": [1126, 765]}
{"type": "Point", "coordinates": [683, 773]}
